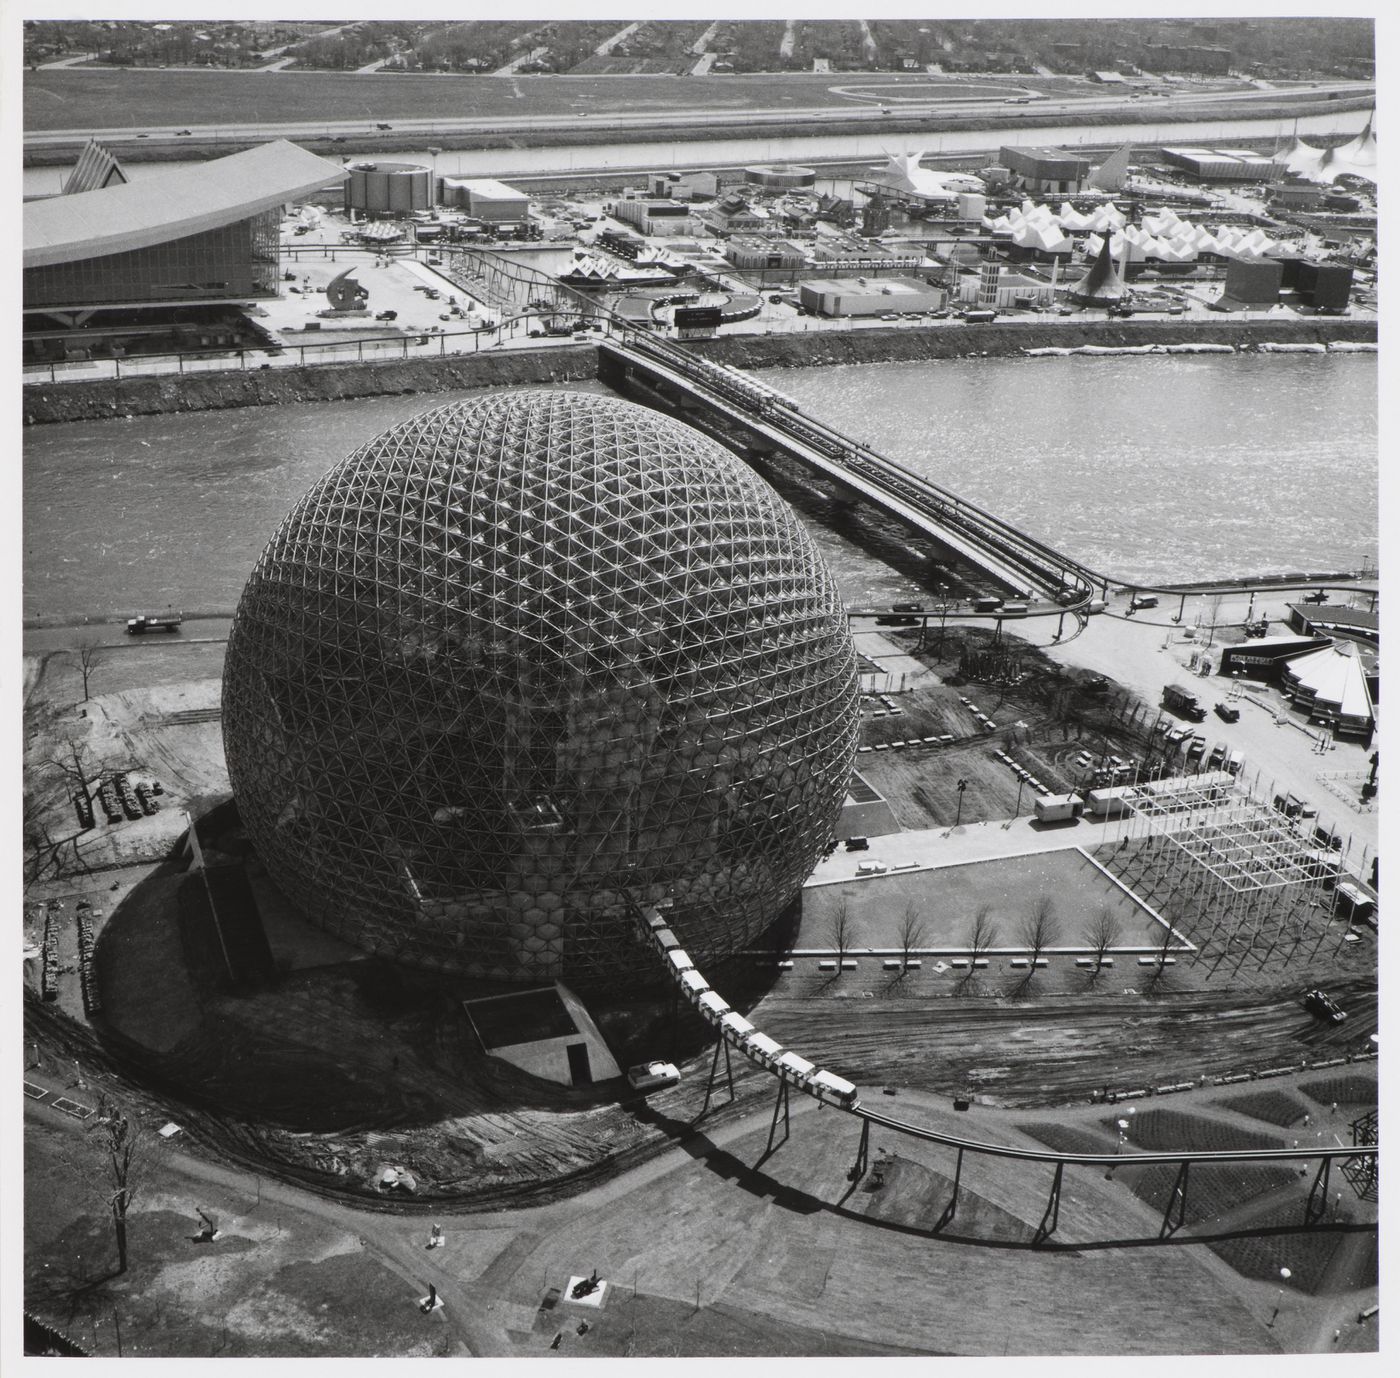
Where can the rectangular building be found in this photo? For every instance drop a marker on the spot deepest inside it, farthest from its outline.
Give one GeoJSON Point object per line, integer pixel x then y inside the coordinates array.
{"type": "Point", "coordinates": [485, 199]}
{"type": "Point", "coordinates": [868, 296]}
{"type": "Point", "coordinates": [1046, 170]}
{"type": "Point", "coordinates": [653, 215]}
{"type": "Point", "coordinates": [1223, 164]}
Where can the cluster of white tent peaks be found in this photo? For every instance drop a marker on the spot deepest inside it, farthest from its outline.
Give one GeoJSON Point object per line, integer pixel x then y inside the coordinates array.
{"type": "Point", "coordinates": [1163, 235]}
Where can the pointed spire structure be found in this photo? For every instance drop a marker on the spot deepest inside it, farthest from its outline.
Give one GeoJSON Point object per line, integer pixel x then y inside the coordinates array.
{"type": "Point", "coordinates": [95, 169]}
{"type": "Point", "coordinates": [1103, 283]}
{"type": "Point", "coordinates": [1113, 171]}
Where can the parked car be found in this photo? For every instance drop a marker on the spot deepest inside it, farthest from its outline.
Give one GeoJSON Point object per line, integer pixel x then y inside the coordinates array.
{"type": "Point", "coordinates": [1226, 713]}
{"type": "Point", "coordinates": [1323, 1006]}
{"type": "Point", "coordinates": [652, 1076]}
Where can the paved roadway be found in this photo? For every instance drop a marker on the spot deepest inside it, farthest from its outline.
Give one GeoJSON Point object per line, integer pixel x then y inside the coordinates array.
{"type": "Point", "coordinates": [703, 116]}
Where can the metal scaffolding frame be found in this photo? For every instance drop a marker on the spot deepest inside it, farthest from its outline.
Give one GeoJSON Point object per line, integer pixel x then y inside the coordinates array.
{"type": "Point", "coordinates": [522, 657]}
{"type": "Point", "coordinates": [1226, 867]}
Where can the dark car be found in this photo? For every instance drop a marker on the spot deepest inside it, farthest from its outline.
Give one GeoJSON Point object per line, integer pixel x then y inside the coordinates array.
{"type": "Point", "coordinates": [180, 132]}
{"type": "Point", "coordinates": [382, 125]}
{"type": "Point", "coordinates": [1323, 1006]}
{"type": "Point", "coordinates": [1227, 713]}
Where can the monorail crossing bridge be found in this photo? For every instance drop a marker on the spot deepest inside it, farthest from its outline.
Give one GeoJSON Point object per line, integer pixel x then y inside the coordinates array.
{"type": "Point", "coordinates": [1358, 1163]}
{"type": "Point", "coordinates": [1025, 568]}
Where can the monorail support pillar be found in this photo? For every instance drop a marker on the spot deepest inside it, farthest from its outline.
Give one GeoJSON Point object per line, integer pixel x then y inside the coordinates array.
{"type": "Point", "coordinates": [1174, 1217]}
{"type": "Point", "coordinates": [780, 1106]}
{"type": "Point", "coordinates": [721, 1045]}
{"type": "Point", "coordinates": [1051, 1218]}
{"type": "Point", "coordinates": [862, 1162]}
{"type": "Point", "coordinates": [1316, 1207]}
{"type": "Point", "coordinates": [951, 1209]}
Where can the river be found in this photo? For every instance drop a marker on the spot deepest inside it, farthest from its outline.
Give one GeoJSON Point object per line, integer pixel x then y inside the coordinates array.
{"type": "Point", "coordinates": [1149, 467]}
{"type": "Point", "coordinates": [612, 157]}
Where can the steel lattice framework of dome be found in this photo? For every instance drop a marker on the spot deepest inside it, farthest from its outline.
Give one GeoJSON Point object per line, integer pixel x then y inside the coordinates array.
{"type": "Point", "coordinates": [522, 657]}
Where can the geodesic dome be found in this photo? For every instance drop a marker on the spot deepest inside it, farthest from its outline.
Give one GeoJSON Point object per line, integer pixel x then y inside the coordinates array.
{"type": "Point", "coordinates": [522, 657]}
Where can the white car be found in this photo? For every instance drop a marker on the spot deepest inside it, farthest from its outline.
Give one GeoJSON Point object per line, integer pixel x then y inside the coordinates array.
{"type": "Point", "coordinates": [653, 1076]}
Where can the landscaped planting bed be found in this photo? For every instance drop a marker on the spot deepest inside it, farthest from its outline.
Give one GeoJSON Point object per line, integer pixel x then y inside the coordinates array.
{"type": "Point", "coordinates": [1346, 1089]}
{"type": "Point", "coordinates": [1274, 1106]}
{"type": "Point", "coordinates": [1212, 1189]}
{"type": "Point", "coordinates": [1166, 1130]}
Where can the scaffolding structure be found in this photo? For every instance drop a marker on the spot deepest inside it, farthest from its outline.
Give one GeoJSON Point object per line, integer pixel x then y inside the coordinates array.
{"type": "Point", "coordinates": [522, 659]}
{"type": "Point", "coordinates": [1228, 869]}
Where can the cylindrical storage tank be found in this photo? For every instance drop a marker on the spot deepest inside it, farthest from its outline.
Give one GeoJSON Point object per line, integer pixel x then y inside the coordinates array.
{"type": "Point", "coordinates": [780, 176]}
{"type": "Point", "coordinates": [387, 188]}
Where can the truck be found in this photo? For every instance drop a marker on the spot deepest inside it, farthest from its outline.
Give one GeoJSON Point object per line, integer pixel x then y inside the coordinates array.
{"type": "Point", "coordinates": [1111, 802]}
{"type": "Point", "coordinates": [980, 317]}
{"type": "Point", "coordinates": [1183, 703]}
{"type": "Point", "coordinates": [1058, 808]}
{"type": "Point", "coordinates": [153, 622]}
{"type": "Point", "coordinates": [986, 604]}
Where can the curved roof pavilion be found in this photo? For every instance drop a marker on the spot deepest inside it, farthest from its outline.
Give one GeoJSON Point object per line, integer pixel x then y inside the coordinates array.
{"type": "Point", "coordinates": [172, 205]}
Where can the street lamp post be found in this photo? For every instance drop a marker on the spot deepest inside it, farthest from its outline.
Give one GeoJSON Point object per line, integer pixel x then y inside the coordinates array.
{"type": "Point", "coordinates": [1020, 785]}
{"type": "Point", "coordinates": [942, 615]}
{"type": "Point", "coordinates": [962, 786]}
{"type": "Point", "coordinates": [1285, 1274]}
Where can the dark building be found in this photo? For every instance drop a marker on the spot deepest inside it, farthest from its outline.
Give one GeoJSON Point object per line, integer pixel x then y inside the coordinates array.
{"type": "Point", "coordinates": [1046, 170]}
{"type": "Point", "coordinates": [1254, 283]}
{"type": "Point", "coordinates": [1324, 286]}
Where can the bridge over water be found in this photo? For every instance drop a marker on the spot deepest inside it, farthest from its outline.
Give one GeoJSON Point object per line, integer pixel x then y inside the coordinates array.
{"type": "Point", "coordinates": [1021, 566]}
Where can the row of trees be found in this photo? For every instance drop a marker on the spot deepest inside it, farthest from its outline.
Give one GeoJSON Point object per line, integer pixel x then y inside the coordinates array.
{"type": "Point", "coordinates": [1037, 931]}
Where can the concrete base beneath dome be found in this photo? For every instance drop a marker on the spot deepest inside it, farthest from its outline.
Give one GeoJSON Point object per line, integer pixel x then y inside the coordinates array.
{"type": "Point", "coordinates": [568, 1049]}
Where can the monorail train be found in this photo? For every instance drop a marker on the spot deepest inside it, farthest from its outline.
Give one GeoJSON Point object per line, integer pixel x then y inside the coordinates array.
{"type": "Point", "coordinates": [737, 1031]}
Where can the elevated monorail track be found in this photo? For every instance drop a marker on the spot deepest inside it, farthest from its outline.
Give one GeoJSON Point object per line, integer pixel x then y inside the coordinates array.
{"type": "Point", "coordinates": [794, 1072]}
{"type": "Point", "coordinates": [1018, 562]}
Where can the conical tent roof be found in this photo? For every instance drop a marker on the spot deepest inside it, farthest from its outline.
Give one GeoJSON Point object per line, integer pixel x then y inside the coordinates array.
{"type": "Point", "coordinates": [1360, 151]}
{"type": "Point", "coordinates": [1103, 283]}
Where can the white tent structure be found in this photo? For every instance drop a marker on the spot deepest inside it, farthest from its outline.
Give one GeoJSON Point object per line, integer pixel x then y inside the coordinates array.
{"type": "Point", "coordinates": [902, 175]}
{"type": "Point", "coordinates": [1356, 158]}
{"type": "Point", "coordinates": [1330, 687]}
{"type": "Point", "coordinates": [1043, 237]}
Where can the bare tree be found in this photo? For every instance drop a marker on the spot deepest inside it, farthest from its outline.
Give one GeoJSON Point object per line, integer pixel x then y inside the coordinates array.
{"type": "Point", "coordinates": [1103, 933]}
{"type": "Point", "coordinates": [840, 928]}
{"type": "Point", "coordinates": [90, 658]}
{"type": "Point", "coordinates": [911, 933]}
{"type": "Point", "coordinates": [984, 932]}
{"type": "Point", "coordinates": [128, 1152]}
{"type": "Point", "coordinates": [1040, 928]}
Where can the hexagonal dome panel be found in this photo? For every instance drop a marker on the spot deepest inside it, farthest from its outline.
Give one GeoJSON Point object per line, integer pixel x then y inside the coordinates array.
{"type": "Point", "coordinates": [521, 657]}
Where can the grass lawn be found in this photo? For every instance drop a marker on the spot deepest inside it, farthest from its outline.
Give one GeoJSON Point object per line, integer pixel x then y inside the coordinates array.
{"type": "Point", "coordinates": [950, 897]}
{"type": "Point", "coordinates": [276, 1283]}
{"type": "Point", "coordinates": [67, 98]}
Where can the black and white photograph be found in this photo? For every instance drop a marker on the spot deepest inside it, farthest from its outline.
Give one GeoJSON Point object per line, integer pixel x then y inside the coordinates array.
{"type": "Point", "coordinates": [696, 686]}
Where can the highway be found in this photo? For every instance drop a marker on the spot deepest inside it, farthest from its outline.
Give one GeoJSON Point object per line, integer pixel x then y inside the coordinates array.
{"type": "Point", "coordinates": [886, 110]}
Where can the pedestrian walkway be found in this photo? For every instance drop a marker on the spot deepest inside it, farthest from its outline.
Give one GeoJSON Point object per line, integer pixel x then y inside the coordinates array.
{"type": "Point", "coordinates": [929, 849]}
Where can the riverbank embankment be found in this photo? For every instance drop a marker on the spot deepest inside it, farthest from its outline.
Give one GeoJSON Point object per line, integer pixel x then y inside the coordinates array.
{"type": "Point", "coordinates": [47, 403]}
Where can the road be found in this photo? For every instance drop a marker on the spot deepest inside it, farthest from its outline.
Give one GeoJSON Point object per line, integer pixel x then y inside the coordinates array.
{"type": "Point", "coordinates": [650, 120]}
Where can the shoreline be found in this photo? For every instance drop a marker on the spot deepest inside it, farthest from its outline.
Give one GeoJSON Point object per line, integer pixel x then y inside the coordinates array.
{"type": "Point", "coordinates": [106, 399]}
